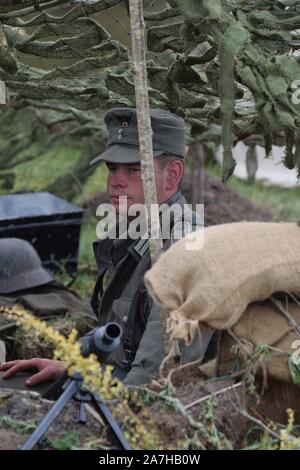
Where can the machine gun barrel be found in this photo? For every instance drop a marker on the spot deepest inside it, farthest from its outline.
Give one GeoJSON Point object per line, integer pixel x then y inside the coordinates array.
{"type": "Point", "coordinates": [102, 341]}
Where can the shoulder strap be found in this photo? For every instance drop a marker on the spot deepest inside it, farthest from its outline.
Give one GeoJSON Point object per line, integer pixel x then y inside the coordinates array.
{"type": "Point", "coordinates": [103, 262]}
{"type": "Point", "coordinates": [134, 291]}
{"type": "Point", "coordinates": [98, 289]}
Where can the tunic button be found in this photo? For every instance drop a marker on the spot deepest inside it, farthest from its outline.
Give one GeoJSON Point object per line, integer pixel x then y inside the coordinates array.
{"type": "Point", "coordinates": [125, 318]}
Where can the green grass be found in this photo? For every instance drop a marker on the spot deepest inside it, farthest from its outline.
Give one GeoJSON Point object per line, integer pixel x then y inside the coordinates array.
{"type": "Point", "coordinates": [94, 184]}
{"type": "Point", "coordinates": [38, 173]}
{"type": "Point", "coordinates": [70, 441]}
{"type": "Point", "coordinates": [284, 202]}
{"type": "Point", "coordinates": [84, 283]}
{"type": "Point", "coordinates": [19, 426]}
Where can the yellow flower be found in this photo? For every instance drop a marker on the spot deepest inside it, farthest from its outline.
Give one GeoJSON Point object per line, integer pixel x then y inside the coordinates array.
{"type": "Point", "coordinates": [287, 440]}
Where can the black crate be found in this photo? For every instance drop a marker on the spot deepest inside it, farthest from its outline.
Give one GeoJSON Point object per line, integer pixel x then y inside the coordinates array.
{"type": "Point", "coordinates": [49, 223]}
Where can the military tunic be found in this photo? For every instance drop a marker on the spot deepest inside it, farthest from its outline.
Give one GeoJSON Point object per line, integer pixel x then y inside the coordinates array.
{"type": "Point", "coordinates": [125, 261]}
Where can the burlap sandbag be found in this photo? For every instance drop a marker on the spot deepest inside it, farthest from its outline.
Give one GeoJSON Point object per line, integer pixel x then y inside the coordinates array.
{"type": "Point", "coordinates": [262, 323]}
{"type": "Point", "coordinates": [239, 263]}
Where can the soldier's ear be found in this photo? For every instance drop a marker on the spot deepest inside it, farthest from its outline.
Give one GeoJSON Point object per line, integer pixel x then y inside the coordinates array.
{"type": "Point", "coordinates": [175, 172]}
{"type": "Point", "coordinates": [171, 174]}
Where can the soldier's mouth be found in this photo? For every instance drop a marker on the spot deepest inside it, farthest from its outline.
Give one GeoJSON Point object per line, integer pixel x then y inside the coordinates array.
{"type": "Point", "coordinates": [118, 196]}
{"type": "Point", "coordinates": [119, 199]}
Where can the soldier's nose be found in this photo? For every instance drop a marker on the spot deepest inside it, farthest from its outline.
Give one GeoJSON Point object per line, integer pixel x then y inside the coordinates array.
{"type": "Point", "coordinates": [119, 179]}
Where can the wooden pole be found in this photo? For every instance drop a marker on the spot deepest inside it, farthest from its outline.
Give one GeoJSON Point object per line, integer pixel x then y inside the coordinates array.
{"type": "Point", "coordinates": [145, 138]}
{"type": "Point", "coordinates": [144, 126]}
{"type": "Point", "coordinates": [3, 94]}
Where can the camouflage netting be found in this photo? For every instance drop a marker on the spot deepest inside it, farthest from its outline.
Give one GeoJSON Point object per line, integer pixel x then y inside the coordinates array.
{"type": "Point", "coordinates": [229, 67]}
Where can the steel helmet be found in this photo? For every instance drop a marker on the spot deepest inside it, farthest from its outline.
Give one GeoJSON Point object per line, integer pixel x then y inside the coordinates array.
{"type": "Point", "coordinates": [20, 266]}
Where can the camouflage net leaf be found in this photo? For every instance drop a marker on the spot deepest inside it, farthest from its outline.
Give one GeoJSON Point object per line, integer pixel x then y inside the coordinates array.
{"type": "Point", "coordinates": [206, 9]}
{"type": "Point", "coordinates": [221, 64]}
{"type": "Point", "coordinates": [233, 41]}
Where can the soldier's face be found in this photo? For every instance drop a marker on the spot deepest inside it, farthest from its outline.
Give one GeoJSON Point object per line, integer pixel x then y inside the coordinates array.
{"type": "Point", "coordinates": [125, 180]}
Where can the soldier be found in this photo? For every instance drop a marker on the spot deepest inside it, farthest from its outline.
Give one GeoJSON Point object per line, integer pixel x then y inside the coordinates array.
{"type": "Point", "coordinates": [125, 260]}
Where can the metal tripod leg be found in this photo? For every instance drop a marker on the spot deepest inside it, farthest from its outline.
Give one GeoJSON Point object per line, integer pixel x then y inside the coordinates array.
{"type": "Point", "coordinates": [66, 396]}
{"type": "Point", "coordinates": [113, 425]}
